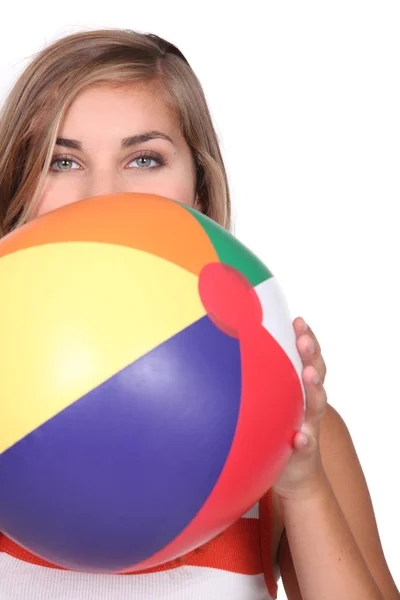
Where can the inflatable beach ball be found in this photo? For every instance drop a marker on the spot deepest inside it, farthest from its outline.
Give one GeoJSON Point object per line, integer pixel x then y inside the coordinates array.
{"type": "Point", "coordinates": [150, 384]}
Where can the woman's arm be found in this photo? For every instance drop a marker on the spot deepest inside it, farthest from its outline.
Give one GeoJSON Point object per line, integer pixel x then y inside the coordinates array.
{"type": "Point", "coordinates": [331, 548]}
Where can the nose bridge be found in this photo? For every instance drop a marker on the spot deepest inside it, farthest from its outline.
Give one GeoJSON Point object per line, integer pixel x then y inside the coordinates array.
{"type": "Point", "coordinates": [102, 181]}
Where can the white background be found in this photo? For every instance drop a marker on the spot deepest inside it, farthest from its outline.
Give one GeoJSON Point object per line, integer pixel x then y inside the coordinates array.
{"type": "Point", "coordinates": [306, 101]}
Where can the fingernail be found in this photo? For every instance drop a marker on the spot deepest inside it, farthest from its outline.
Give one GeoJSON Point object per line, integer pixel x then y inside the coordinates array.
{"type": "Point", "coordinates": [311, 346]}
{"type": "Point", "coordinates": [305, 327]}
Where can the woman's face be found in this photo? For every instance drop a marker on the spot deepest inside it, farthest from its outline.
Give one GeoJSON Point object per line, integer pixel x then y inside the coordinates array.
{"type": "Point", "coordinates": [118, 140]}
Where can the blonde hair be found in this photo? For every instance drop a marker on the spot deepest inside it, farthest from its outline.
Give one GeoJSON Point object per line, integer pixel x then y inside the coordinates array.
{"type": "Point", "coordinates": [38, 101]}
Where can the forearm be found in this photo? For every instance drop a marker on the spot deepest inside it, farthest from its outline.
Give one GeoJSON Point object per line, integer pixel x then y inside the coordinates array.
{"type": "Point", "coordinates": [327, 560]}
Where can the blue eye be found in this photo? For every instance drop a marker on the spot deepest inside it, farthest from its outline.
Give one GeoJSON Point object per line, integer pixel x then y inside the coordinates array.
{"type": "Point", "coordinates": [145, 159]}
{"type": "Point", "coordinates": [63, 164]}
{"type": "Point", "coordinates": [143, 162]}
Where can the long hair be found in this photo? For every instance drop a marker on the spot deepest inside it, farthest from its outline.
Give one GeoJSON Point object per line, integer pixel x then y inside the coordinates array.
{"type": "Point", "coordinates": [37, 103]}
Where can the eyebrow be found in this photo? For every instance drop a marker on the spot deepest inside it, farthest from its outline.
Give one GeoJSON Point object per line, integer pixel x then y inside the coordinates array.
{"type": "Point", "coordinates": [127, 142]}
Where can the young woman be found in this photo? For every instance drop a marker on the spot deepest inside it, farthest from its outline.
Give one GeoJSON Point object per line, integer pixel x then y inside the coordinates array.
{"type": "Point", "coordinates": [117, 111]}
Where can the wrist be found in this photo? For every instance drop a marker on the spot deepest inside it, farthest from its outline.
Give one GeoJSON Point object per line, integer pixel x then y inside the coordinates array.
{"type": "Point", "coordinates": [317, 487]}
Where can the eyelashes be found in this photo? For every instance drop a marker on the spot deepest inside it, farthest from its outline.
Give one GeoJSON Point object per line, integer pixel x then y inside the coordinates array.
{"type": "Point", "coordinates": [143, 154]}
{"type": "Point", "coordinates": [61, 158]}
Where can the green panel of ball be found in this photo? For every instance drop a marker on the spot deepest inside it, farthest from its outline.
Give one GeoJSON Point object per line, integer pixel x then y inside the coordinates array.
{"type": "Point", "coordinates": [232, 252]}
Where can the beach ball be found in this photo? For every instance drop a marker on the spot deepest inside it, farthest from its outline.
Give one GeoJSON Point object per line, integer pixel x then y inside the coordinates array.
{"type": "Point", "coordinates": [150, 385]}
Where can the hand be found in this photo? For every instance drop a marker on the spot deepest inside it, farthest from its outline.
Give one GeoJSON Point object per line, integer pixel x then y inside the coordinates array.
{"type": "Point", "coordinates": [304, 473]}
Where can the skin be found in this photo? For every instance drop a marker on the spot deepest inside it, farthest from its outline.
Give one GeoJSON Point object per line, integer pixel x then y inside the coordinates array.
{"type": "Point", "coordinates": [323, 478]}
{"type": "Point", "coordinates": [100, 118]}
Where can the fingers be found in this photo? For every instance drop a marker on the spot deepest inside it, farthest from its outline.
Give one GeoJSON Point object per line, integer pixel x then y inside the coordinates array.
{"type": "Point", "coordinates": [309, 348]}
{"type": "Point", "coordinates": [316, 397]}
{"type": "Point", "coordinates": [314, 373]}
{"type": "Point", "coordinates": [301, 327]}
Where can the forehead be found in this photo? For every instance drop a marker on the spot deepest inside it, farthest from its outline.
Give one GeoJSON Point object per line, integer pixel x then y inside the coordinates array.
{"type": "Point", "coordinates": [115, 112]}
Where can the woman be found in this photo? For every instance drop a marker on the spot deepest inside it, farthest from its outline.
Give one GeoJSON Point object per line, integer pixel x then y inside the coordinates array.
{"type": "Point", "coordinates": [117, 111]}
